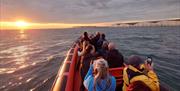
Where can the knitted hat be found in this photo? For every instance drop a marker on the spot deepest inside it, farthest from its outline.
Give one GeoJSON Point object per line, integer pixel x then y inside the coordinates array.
{"type": "Point", "coordinates": [135, 60]}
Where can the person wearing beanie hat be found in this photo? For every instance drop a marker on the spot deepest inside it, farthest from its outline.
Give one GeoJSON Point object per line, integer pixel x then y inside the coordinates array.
{"type": "Point", "coordinates": [135, 61]}
{"type": "Point", "coordinates": [133, 72]}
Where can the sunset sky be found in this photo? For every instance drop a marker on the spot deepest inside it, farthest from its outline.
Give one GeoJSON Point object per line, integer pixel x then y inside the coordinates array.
{"type": "Point", "coordinates": [67, 13]}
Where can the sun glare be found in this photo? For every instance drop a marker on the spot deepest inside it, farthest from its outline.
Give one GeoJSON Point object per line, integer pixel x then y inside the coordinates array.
{"type": "Point", "coordinates": [21, 24]}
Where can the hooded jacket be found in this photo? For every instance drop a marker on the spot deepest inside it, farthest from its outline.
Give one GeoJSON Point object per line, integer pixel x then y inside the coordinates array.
{"type": "Point", "coordinates": [131, 74]}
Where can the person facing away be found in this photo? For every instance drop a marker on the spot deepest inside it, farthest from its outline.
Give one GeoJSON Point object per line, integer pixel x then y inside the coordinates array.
{"type": "Point", "coordinates": [101, 40]}
{"type": "Point", "coordinates": [104, 50]}
{"type": "Point", "coordinates": [98, 77]}
{"type": "Point", "coordinates": [95, 39]}
{"type": "Point", "coordinates": [138, 70]}
{"type": "Point", "coordinates": [86, 37]}
{"type": "Point", "coordinates": [86, 58]}
{"type": "Point", "coordinates": [87, 54]}
{"type": "Point", "coordinates": [114, 57]}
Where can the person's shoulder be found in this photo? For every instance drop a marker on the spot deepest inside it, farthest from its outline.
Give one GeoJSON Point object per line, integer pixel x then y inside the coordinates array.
{"type": "Point", "coordinates": [113, 78]}
{"type": "Point", "coordinates": [117, 51]}
{"type": "Point", "coordinates": [113, 51]}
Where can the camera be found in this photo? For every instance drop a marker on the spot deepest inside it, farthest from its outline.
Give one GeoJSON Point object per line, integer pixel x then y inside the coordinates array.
{"type": "Point", "coordinates": [149, 60]}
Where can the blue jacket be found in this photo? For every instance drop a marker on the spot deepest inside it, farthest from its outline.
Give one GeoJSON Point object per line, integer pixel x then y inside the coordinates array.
{"type": "Point", "coordinates": [89, 81]}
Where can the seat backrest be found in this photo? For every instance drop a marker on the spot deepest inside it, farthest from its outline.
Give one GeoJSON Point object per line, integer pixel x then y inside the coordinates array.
{"type": "Point", "coordinates": [118, 74]}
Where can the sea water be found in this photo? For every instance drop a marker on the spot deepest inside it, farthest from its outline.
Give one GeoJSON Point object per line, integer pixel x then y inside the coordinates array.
{"type": "Point", "coordinates": [30, 59]}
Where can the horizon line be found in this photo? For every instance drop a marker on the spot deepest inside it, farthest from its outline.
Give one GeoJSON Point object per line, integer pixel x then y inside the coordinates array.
{"type": "Point", "coordinates": [11, 25]}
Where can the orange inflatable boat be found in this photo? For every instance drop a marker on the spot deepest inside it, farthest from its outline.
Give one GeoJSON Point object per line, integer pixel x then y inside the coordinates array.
{"type": "Point", "coordinates": [68, 77]}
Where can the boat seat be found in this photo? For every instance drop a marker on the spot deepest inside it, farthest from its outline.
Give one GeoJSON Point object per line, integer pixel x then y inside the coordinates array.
{"type": "Point", "coordinates": [118, 74]}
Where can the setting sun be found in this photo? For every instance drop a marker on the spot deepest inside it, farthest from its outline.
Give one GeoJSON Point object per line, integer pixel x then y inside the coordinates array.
{"type": "Point", "coordinates": [21, 24]}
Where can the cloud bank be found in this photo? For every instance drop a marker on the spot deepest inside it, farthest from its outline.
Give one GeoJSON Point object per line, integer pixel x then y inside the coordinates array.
{"type": "Point", "coordinates": [88, 11]}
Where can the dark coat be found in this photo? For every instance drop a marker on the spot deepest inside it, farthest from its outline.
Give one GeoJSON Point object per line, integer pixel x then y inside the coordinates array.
{"type": "Point", "coordinates": [115, 58]}
{"type": "Point", "coordinates": [85, 63]}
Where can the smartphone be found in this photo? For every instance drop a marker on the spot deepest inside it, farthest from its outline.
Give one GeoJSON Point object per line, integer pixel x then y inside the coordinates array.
{"type": "Point", "coordinates": [149, 60]}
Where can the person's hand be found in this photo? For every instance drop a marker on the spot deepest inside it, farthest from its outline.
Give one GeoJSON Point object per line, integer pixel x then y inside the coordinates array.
{"type": "Point", "coordinates": [77, 45]}
{"type": "Point", "coordinates": [91, 62]}
{"type": "Point", "coordinates": [97, 75]}
{"type": "Point", "coordinates": [148, 67]}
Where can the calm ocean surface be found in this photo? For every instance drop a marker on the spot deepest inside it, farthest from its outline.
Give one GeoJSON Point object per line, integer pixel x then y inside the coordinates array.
{"type": "Point", "coordinates": [29, 60]}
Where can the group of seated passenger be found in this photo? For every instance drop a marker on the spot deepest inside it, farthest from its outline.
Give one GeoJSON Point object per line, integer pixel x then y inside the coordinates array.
{"type": "Point", "coordinates": [97, 55]}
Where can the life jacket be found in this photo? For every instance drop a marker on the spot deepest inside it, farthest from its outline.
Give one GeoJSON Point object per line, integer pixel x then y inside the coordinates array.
{"type": "Point", "coordinates": [131, 74]}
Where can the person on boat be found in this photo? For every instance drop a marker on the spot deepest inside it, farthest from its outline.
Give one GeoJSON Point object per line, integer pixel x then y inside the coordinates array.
{"type": "Point", "coordinates": [98, 77]}
{"type": "Point", "coordinates": [138, 70]}
{"type": "Point", "coordinates": [83, 39]}
{"type": "Point", "coordinates": [86, 37]}
{"type": "Point", "coordinates": [95, 39]}
{"type": "Point", "coordinates": [103, 51]}
{"type": "Point", "coordinates": [82, 47]}
{"type": "Point", "coordinates": [114, 57]}
{"type": "Point", "coordinates": [86, 55]}
{"type": "Point", "coordinates": [101, 40]}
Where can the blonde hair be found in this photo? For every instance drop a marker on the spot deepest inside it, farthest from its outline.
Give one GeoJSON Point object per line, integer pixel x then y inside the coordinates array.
{"type": "Point", "coordinates": [101, 72]}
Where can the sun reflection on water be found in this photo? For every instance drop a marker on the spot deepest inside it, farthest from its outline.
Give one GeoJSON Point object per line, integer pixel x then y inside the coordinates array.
{"type": "Point", "coordinates": [21, 31]}
{"type": "Point", "coordinates": [19, 57]}
{"type": "Point", "coordinates": [29, 80]}
{"type": "Point", "coordinates": [22, 34]}
{"type": "Point", "coordinates": [20, 78]}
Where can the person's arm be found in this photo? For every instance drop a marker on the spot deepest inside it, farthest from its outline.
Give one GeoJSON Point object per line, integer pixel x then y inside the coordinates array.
{"type": "Point", "coordinates": [93, 50]}
{"type": "Point", "coordinates": [90, 72]}
{"type": "Point", "coordinates": [84, 45]}
{"type": "Point", "coordinates": [83, 50]}
{"type": "Point", "coordinates": [89, 79]}
{"type": "Point", "coordinates": [150, 72]}
{"type": "Point", "coordinates": [81, 53]}
{"type": "Point", "coordinates": [152, 76]}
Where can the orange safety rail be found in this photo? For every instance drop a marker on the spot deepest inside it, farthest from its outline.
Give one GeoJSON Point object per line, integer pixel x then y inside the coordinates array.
{"type": "Point", "coordinates": [70, 80]}
{"type": "Point", "coordinates": [60, 81]}
{"type": "Point", "coordinates": [117, 73]}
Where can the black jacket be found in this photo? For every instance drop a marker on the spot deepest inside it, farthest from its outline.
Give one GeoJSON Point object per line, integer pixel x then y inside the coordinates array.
{"type": "Point", "coordinates": [115, 58]}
